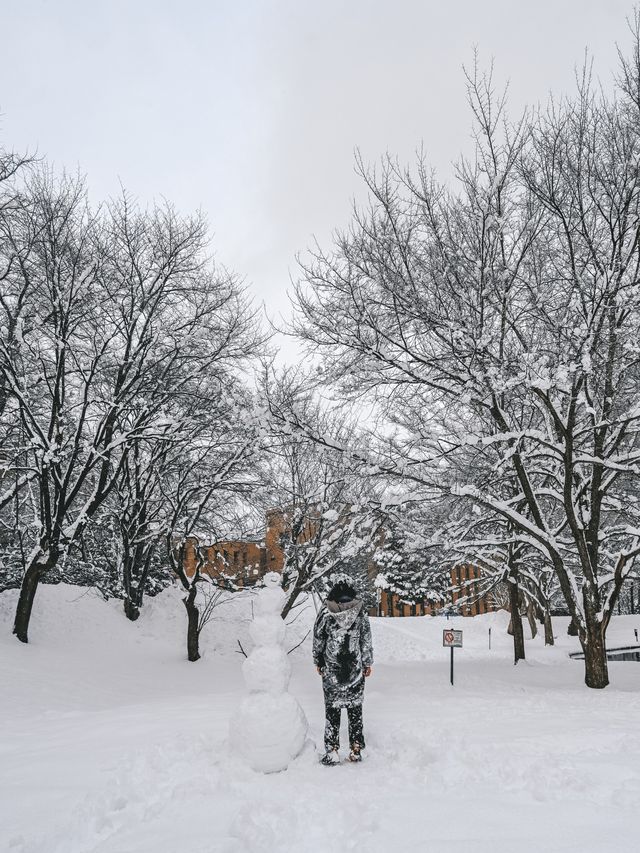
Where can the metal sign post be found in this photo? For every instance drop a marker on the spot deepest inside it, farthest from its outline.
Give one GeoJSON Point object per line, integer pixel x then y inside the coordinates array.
{"type": "Point", "coordinates": [453, 640]}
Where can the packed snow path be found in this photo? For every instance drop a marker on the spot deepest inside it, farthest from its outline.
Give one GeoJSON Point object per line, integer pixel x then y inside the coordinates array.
{"type": "Point", "coordinates": [110, 742]}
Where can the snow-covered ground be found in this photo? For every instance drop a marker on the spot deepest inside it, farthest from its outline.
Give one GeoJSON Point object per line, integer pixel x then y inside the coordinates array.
{"type": "Point", "coordinates": [110, 742]}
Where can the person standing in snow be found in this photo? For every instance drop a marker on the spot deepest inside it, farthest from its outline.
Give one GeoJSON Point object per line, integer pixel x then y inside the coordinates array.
{"type": "Point", "coordinates": [343, 655]}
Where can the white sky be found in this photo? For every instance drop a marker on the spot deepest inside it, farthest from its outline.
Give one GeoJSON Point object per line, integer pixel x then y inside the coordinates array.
{"type": "Point", "coordinates": [251, 110]}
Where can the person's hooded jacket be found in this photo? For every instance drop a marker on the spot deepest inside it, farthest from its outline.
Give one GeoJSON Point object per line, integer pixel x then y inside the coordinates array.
{"type": "Point", "coordinates": [342, 649]}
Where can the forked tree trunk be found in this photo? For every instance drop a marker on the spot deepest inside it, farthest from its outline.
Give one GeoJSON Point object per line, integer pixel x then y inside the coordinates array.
{"type": "Point", "coordinates": [515, 625]}
{"type": "Point", "coordinates": [32, 577]}
{"type": "Point", "coordinates": [134, 589]}
{"type": "Point", "coordinates": [592, 639]}
{"type": "Point", "coordinates": [596, 670]}
{"type": "Point", "coordinates": [193, 650]}
{"type": "Point", "coordinates": [131, 610]}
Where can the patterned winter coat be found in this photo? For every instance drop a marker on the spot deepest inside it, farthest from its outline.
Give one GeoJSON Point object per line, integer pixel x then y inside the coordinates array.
{"type": "Point", "coordinates": [342, 649]}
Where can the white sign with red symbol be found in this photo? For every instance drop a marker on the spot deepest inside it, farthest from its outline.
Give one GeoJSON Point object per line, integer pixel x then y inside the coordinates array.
{"type": "Point", "coordinates": [452, 639]}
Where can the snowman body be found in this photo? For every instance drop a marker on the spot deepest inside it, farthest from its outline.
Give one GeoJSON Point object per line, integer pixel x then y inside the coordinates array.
{"type": "Point", "coordinates": [270, 727]}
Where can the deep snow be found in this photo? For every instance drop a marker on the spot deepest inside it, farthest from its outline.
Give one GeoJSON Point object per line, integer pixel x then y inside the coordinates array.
{"type": "Point", "coordinates": [111, 742]}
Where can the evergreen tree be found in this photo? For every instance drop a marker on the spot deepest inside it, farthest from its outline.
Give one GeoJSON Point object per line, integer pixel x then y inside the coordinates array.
{"type": "Point", "coordinates": [409, 570]}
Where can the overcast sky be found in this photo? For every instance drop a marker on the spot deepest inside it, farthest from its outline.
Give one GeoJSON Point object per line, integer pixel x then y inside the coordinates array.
{"type": "Point", "coordinates": [252, 110]}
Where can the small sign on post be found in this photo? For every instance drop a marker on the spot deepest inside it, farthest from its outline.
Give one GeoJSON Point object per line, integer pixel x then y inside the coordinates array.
{"type": "Point", "coordinates": [452, 639]}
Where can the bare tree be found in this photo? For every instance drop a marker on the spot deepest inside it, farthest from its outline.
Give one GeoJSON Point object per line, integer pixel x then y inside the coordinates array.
{"type": "Point", "coordinates": [13, 477]}
{"type": "Point", "coordinates": [218, 464]}
{"type": "Point", "coordinates": [511, 305]}
{"type": "Point", "coordinates": [122, 318]}
{"type": "Point", "coordinates": [328, 515]}
{"type": "Point", "coordinates": [139, 515]}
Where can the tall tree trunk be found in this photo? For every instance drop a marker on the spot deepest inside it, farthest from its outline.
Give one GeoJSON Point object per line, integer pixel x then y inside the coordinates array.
{"type": "Point", "coordinates": [134, 576]}
{"type": "Point", "coordinates": [193, 650]}
{"type": "Point", "coordinates": [515, 626]}
{"type": "Point", "coordinates": [596, 670]}
{"type": "Point", "coordinates": [592, 640]}
{"type": "Point", "coordinates": [548, 628]}
{"type": "Point", "coordinates": [32, 577]}
{"type": "Point", "coordinates": [572, 630]}
{"type": "Point", "coordinates": [531, 617]}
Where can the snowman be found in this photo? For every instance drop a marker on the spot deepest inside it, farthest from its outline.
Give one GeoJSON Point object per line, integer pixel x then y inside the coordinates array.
{"type": "Point", "coordinates": [270, 727]}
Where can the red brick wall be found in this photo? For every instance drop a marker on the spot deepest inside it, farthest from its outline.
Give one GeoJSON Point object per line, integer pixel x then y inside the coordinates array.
{"type": "Point", "coordinates": [276, 528]}
{"type": "Point", "coordinates": [466, 576]}
{"type": "Point", "coordinates": [243, 562]}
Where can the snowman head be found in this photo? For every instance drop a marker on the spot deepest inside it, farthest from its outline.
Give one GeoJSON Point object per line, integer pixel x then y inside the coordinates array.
{"type": "Point", "coordinates": [272, 580]}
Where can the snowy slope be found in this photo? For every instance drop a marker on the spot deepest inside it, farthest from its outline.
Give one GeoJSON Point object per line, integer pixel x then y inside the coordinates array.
{"type": "Point", "coordinates": [110, 742]}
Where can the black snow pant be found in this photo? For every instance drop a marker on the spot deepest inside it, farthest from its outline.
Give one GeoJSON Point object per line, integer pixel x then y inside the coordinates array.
{"type": "Point", "coordinates": [332, 727]}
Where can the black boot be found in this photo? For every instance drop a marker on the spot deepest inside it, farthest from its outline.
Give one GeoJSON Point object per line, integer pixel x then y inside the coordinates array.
{"type": "Point", "coordinates": [330, 758]}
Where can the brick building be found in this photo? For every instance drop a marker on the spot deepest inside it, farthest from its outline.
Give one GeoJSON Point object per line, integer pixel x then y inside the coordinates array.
{"type": "Point", "coordinates": [243, 561]}
{"type": "Point", "coordinates": [247, 561]}
{"type": "Point", "coordinates": [464, 597]}
{"type": "Point", "coordinates": [390, 604]}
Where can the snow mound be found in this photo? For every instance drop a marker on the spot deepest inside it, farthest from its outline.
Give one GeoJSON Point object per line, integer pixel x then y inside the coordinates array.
{"type": "Point", "coordinates": [267, 669]}
{"type": "Point", "coordinates": [269, 730]}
